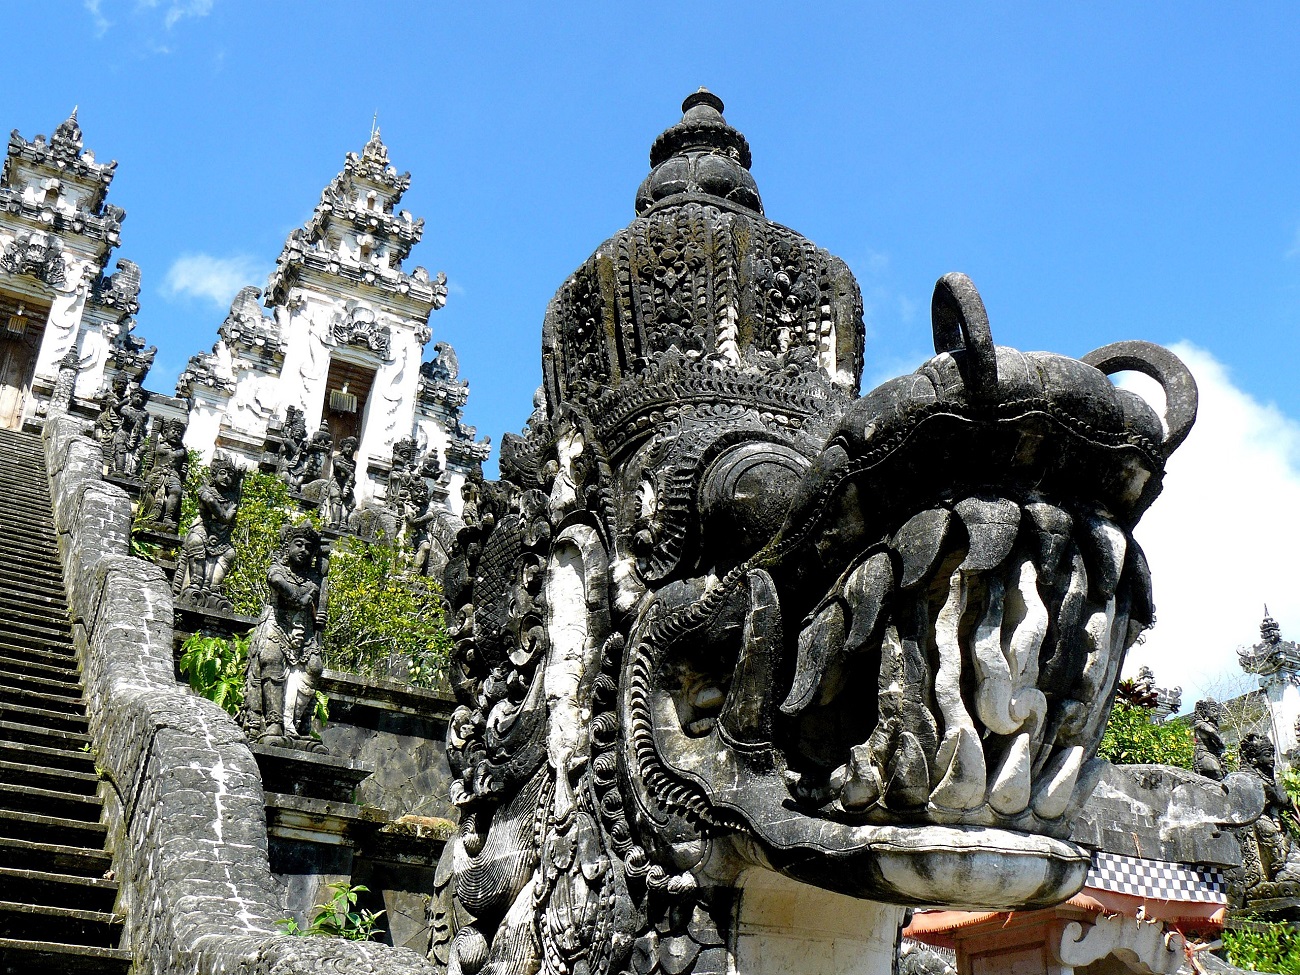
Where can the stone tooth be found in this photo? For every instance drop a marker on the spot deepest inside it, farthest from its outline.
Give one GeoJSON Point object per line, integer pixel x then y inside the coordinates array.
{"type": "Point", "coordinates": [993, 690]}
{"type": "Point", "coordinates": [992, 526]}
{"type": "Point", "coordinates": [908, 781]}
{"type": "Point", "coordinates": [1105, 544]}
{"type": "Point", "coordinates": [1009, 792]}
{"type": "Point", "coordinates": [863, 782]}
{"type": "Point", "coordinates": [918, 544]}
{"type": "Point", "coordinates": [1056, 784]}
{"type": "Point", "coordinates": [1053, 537]}
{"type": "Point", "coordinates": [1028, 705]}
{"type": "Point", "coordinates": [820, 640]}
{"type": "Point", "coordinates": [746, 717]}
{"type": "Point", "coordinates": [1061, 672]}
{"type": "Point", "coordinates": [865, 590]}
{"type": "Point", "coordinates": [964, 777]}
{"type": "Point", "coordinates": [1138, 573]}
{"type": "Point", "coordinates": [960, 756]}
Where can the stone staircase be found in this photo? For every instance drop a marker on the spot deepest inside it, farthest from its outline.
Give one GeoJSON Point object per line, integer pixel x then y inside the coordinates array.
{"type": "Point", "coordinates": [56, 889]}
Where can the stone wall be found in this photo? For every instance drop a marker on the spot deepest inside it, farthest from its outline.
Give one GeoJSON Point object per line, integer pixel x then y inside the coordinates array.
{"type": "Point", "coordinates": [184, 800]}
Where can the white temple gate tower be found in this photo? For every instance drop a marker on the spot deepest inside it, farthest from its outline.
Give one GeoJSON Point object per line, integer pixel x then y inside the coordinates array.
{"type": "Point", "coordinates": [343, 343]}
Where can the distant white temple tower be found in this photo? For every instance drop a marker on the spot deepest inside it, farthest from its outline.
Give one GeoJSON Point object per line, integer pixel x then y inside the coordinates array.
{"type": "Point", "coordinates": [57, 304]}
{"type": "Point", "coordinates": [343, 343]}
{"type": "Point", "coordinates": [1277, 663]}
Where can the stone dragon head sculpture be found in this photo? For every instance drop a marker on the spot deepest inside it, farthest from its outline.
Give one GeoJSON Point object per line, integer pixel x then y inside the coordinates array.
{"type": "Point", "coordinates": [722, 614]}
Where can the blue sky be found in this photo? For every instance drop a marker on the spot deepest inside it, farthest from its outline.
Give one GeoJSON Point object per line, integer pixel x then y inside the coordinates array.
{"type": "Point", "coordinates": [1102, 171]}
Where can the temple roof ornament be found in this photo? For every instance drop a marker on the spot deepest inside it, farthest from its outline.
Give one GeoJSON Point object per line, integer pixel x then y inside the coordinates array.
{"type": "Point", "coordinates": [700, 156]}
{"type": "Point", "coordinates": [355, 234]}
{"type": "Point", "coordinates": [1272, 657]}
{"type": "Point", "coordinates": [246, 328]}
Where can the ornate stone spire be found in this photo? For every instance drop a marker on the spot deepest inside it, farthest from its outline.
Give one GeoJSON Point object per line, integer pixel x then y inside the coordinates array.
{"type": "Point", "coordinates": [702, 278]}
{"type": "Point", "coordinates": [68, 134]}
{"type": "Point", "coordinates": [700, 156]}
{"type": "Point", "coordinates": [1272, 658]}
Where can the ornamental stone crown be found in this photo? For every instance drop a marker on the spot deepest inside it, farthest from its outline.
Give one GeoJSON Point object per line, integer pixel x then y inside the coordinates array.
{"type": "Point", "coordinates": [703, 272]}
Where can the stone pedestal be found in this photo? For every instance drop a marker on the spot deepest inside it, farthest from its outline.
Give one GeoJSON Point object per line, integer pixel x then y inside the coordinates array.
{"type": "Point", "coordinates": [787, 928]}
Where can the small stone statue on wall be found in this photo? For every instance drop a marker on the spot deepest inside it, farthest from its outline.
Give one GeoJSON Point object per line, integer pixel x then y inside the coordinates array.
{"type": "Point", "coordinates": [417, 518]}
{"type": "Point", "coordinates": [1207, 759]}
{"type": "Point", "coordinates": [208, 552]}
{"type": "Point", "coordinates": [291, 446]}
{"type": "Point", "coordinates": [1270, 858]}
{"type": "Point", "coordinates": [284, 657]}
{"type": "Point", "coordinates": [311, 462]}
{"type": "Point", "coordinates": [166, 481]}
{"type": "Point", "coordinates": [111, 401]}
{"type": "Point", "coordinates": [401, 474]}
{"type": "Point", "coordinates": [340, 497]}
{"type": "Point", "coordinates": [129, 436]}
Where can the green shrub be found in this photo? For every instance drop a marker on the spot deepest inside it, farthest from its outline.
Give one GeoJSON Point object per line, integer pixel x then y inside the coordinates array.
{"type": "Point", "coordinates": [215, 667]}
{"type": "Point", "coordinates": [338, 917]}
{"type": "Point", "coordinates": [382, 617]}
{"type": "Point", "coordinates": [1132, 738]}
{"type": "Point", "coordinates": [1264, 947]}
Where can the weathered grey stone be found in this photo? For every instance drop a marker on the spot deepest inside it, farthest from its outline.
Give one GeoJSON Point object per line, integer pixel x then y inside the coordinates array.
{"type": "Point", "coordinates": [184, 804]}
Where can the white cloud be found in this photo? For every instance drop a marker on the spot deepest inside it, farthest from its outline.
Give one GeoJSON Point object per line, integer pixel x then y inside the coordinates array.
{"type": "Point", "coordinates": [102, 23]}
{"type": "Point", "coordinates": [180, 9]}
{"type": "Point", "coordinates": [215, 279]}
{"type": "Point", "coordinates": [1223, 538]}
{"type": "Point", "coordinates": [174, 11]}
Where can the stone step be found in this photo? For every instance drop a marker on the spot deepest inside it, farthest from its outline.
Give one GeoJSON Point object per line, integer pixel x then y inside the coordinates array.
{"type": "Point", "coordinates": [66, 686]}
{"type": "Point", "coordinates": [33, 855]}
{"type": "Point", "coordinates": [61, 667]}
{"type": "Point", "coordinates": [55, 830]}
{"type": "Point", "coordinates": [31, 530]}
{"type": "Point", "coordinates": [39, 567]}
{"type": "Point", "coordinates": [42, 700]}
{"type": "Point", "coordinates": [36, 623]}
{"type": "Point", "coordinates": [46, 757]}
{"type": "Point", "coordinates": [14, 583]}
{"type": "Point", "coordinates": [27, 644]}
{"type": "Point", "coordinates": [49, 802]}
{"type": "Point", "coordinates": [47, 607]}
{"type": "Point", "coordinates": [19, 732]}
{"type": "Point", "coordinates": [26, 554]}
{"type": "Point", "coordinates": [41, 718]}
{"type": "Point", "coordinates": [19, 957]}
{"type": "Point", "coordinates": [62, 658]}
{"type": "Point", "coordinates": [61, 925]}
{"type": "Point", "coordinates": [60, 889]}
{"type": "Point", "coordinates": [31, 492]}
{"type": "Point", "coordinates": [72, 782]}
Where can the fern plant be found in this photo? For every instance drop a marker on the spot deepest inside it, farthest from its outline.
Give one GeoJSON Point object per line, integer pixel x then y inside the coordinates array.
{"type": "Point", "coordinates": [339, 917]}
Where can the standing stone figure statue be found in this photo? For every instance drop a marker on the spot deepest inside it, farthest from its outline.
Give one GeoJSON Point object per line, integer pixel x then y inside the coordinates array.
{"type": "Point", "coordinates": [416, 519]}
{"type": "Point", "coordinates": [1207, 759]}
{"type": "Point", "coordinates": [208, 552]}
{"type": "Point", "coordinates": [111, 400]}
{"type": "Point", "coordinates": [1270, 858]}
{"type": "Point", "coordinates": [340, 497]}
{"type": "Point", "coordinates": [166, 481]}
{"type": "Point", "coordinates": [291, 447]}
{"type": "Point", "coordinates": [128, 438]}
{"type": "Point", "coordinates": [284, 657]}
{"type": "Point", "coordinates": [401, 474]}
{"type": "Point", "coordinates": [311, 462]}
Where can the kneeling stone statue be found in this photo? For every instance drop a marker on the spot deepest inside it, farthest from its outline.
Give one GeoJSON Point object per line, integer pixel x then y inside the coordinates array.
{"type": "Point", "coordinates": [284, 659]}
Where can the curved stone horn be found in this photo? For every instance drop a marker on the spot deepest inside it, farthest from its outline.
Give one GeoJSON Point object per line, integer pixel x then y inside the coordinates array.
{"type": "Point", "coordinates": [960, 322]}
{"type": "Point", "coordinates": [1181, 396]}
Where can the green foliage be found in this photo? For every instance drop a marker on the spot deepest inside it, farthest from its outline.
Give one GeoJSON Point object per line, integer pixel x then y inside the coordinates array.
{"type": "Point", "coordinates": [264, 508]}
{"type": "Point", "coordinates": [215, 666]}
{"type": "Point", "coordinates": [383, 619]}
{"type": "Point", "coordinates": [338, 917]}
{"type": "Point", "coordinates": [1132, 738]}
{"type": "Point", "coordinates": [382, 615]}
{"type": "Point", "coordinates": [140, 548]}
{"type": "Point", "coordinates": [1264, 947]}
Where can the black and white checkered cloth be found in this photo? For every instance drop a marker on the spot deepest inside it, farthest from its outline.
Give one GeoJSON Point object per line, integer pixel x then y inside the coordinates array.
{"type": "Point", "coordinates": [1157, 879]}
